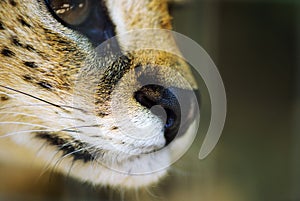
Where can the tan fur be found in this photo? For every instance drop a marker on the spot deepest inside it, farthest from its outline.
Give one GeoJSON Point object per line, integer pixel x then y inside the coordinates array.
{"type": "Point", "coordinates": [42, 58]}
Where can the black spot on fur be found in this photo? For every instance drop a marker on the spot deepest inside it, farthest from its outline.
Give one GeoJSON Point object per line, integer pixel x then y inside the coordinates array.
{"type": "Point", "coordinates": [45, 85]}
{"type": "Point", "coordinates": [1, 26]}
{"type": "Point", "coordinates": [23, 22]}
{"type": "Point", "coordinates": [16, 42]}
{"type": "Point", "coordinates": [4, 97]}
{"type": "Point", "coordinates": [13, 3]}
{"type": "Point", "coordinates": [102, 114]}
{"type": "Point", "coordinates": [7, 52]}
{"type": "Point", "coordinates": [114, 128]}
{"type": "Point", "coordinates": [62, 42]}
{"type": "Point", "coordinates": [27, 77]}
{"type": "Point", "coordinates": [30, 64]}
{"type": "Point", "coordinates": [29, 47]}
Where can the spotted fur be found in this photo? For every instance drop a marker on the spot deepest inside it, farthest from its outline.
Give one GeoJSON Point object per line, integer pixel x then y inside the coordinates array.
{"type": "Point", "coordinates": [40, 115]}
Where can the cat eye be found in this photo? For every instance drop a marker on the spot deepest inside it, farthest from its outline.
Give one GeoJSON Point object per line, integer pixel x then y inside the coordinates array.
{"type": "Point", "coordinates": [72, 12]}
{"type": "Point", "coordinates": [87, 17]}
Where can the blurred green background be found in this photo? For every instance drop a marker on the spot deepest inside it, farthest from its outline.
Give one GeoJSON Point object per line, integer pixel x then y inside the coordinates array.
{"type": "Point", "coordinates": [256, 46]}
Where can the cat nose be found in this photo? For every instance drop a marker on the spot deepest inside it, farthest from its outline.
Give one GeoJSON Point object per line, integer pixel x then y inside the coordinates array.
{"type": "Point", "coordinates": [167, 98]}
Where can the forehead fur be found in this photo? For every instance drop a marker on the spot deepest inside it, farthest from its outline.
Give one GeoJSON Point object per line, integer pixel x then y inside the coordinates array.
{"type": "Point", "coordinates": [137, 14]}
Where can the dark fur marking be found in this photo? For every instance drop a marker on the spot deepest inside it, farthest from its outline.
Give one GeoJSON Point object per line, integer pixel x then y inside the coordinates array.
{"type": "Point", "coordinates": [62, 42]}
{"type": "Point", "coordinates": [23, 22]}
{"type": "Point", "coordinates": [45, 85]}
{"type": "Point", "coordinates": [4, 97]}
{"type": "Point", "coordinates": [7, 52]}
{"type": "Point", "coordinates": [13, 3]}
{"type": "Point", "coordinates": [1, 26]}
{"type": "Point", "coordinates": [114, 128]}
{"type": "Point", "coordinates": [101, 114]}
{"type": "Point", "coordinates": [27, 77]}
{"type": "Point", "coordinates": [30, 64]}
{"type": "Point", "coordinates": [111, 77]}
{"type": "Point", "coordinates": [29, 47]}
{"type": "Point", "coordinates": [69, 146]}
{"type": "Point", "coordinates": [16, 42]}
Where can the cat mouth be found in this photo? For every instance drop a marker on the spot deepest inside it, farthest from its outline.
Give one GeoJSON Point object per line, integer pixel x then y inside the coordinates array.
{"type": "Point", "coordinates": [86, 152]}
{"type": "Point", "coordinates": [69, 146]}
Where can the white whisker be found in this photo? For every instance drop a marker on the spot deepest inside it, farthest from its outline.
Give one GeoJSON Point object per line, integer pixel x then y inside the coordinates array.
{"type": "Point", "coordinates": [83, 126]}
{"type": "Point", "coordinates": [71, 166]}
{"type": "Point", "coordinates": [38, 152]}
{"type": "Point", "coordinates": [152, 194]}
{"type": "Point", "coordinates": [43, 106]}
{"type": "Point", "coordinates": [56, 164]}
{"type": "Point", "coordinates": [24, 131]}
{"type": "Point", "coordinates": [23, 123]}
{"type": "Point", "coordinates": [69, 154]}
{"type": "Point", "coordinates": [28, 115]}
{"type": "Point", "coordinates": [36, 98]}
{"type": "Point", "coordinates": [70, 118]}
{"type": "Point", "coordinates": [48, 165]}
{"type": "Point", "coordinates": [7, 94]}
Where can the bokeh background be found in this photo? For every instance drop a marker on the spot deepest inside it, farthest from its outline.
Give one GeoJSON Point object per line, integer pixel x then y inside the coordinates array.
{"type": "Point", "coordinates": [256, 47]}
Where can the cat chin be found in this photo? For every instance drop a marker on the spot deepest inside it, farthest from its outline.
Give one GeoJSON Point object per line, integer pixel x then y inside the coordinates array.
{"type": "Point", "coordinates": [136, 172]}
{"type": "Point", "coordinates": [107, 177]}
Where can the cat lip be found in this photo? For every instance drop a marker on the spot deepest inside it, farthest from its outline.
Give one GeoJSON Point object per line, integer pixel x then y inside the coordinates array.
{"type": "Point", "coordinates": [83, 151]}
{"type": "Point", "coordinates": [69, 146]}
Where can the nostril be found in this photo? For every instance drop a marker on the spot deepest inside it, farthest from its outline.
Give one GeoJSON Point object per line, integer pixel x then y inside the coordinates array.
{"type": "Point", "coordinates": [152, 95]}
{"type": "Point", "coordinates": [145, 99]}
{"type": "Point", "coordinates": [170, 121]}
{"type": "Point", "coordinates": [172, 125]}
